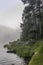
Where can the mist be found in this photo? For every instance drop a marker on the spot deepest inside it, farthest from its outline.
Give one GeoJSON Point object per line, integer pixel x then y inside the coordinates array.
{"type": "Point", "coordinates": [8, 34]}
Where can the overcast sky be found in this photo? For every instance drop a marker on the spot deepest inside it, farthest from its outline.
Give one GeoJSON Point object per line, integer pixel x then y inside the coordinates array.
{"type": "Point", "coordinates": [10, 13]}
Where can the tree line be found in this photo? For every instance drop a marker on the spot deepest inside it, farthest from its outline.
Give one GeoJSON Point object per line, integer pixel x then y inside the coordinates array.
{"type": "Point", "coordinates": [32, 20]}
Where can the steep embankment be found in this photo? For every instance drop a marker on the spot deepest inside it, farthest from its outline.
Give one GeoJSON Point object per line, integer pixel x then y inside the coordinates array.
{"type": "Point", "coordinates": [37, 58]}
{"type": "Point", "coordinates": [31, 52]}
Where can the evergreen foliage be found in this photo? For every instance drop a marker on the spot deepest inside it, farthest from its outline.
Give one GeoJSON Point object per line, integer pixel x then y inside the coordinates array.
{"type": "Point", "coordinates": [32, 18]}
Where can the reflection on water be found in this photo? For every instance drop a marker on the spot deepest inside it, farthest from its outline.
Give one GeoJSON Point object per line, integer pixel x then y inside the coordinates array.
{"type": "Point", "coordinates": [9, 59]}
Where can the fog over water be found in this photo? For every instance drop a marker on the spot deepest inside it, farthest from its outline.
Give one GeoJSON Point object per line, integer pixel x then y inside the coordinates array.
{"type": "Point", "coordinates": [7, 35]}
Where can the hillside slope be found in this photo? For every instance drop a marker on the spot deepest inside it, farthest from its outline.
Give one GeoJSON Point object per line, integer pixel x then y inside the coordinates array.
{"type": "Point", "coordinates": [37, 58]}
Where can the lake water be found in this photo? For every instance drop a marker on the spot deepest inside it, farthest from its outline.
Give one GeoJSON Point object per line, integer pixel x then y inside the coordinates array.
{"type": "Point", "coordinates": [8, 35]}
{"type": "Point", "coordinates": [9, 59]}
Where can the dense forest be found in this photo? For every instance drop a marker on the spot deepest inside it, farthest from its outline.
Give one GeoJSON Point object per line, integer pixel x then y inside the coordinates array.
{"type": "Point", "coordinates": [32, 17]}
{"type": "Point", "coordinates": [30, 44]}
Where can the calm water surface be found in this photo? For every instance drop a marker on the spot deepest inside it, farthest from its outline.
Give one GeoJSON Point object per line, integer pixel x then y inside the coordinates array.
{"type": "Point", "coordinates": [9, 59]}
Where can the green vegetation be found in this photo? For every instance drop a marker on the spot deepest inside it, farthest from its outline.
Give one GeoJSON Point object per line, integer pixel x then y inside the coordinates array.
{"type": "Point", "coordinates": [37, 58]}
{"type": "Point", "coordinates": [32, 20]}
{"type": "Point", "coordinates": [22, 50]}
{"type": "Point", "coordinates": [28, 51]}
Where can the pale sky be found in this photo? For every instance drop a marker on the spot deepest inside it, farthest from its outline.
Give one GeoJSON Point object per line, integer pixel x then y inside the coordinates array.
{"type": "Point", "coordinates": [11, 13]}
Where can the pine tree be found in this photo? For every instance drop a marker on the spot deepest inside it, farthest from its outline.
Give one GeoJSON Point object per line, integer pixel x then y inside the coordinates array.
{"type": "Point", "coordinates": [32, 19]}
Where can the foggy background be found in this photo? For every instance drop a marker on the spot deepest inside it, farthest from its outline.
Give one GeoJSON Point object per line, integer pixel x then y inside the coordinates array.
{"type": "Point", "coordinates": [10, 18]}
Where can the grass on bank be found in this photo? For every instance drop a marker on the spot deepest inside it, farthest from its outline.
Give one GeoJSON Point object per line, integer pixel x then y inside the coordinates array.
{"type": "Point", "coordinates": [32, 52]}
{"type": "Point", "coordinates": [37, 58]}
